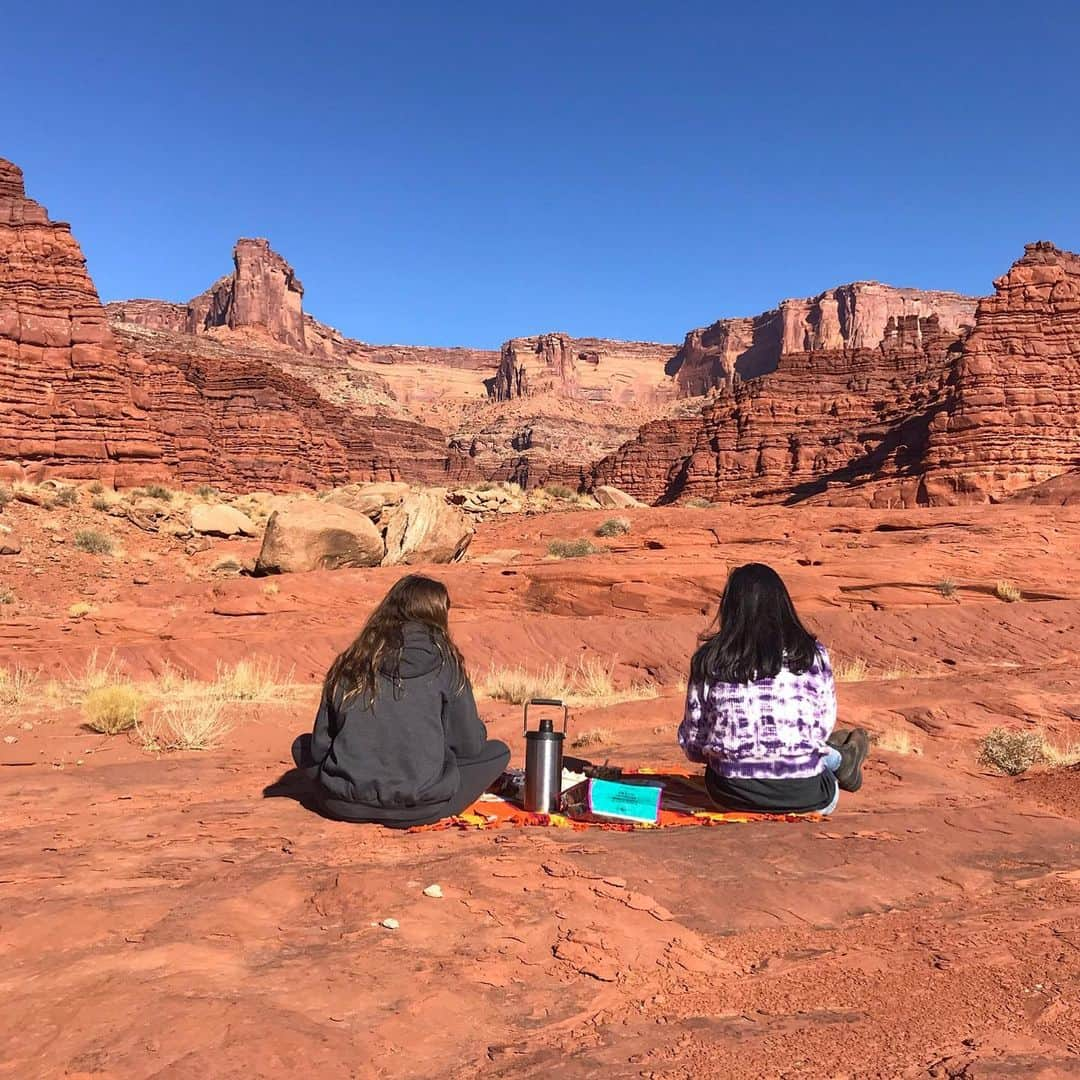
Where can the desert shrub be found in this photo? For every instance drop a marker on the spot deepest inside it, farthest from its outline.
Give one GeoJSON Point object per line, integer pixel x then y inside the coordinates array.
{"type": "Point", "coordinates": [1011, 752]}
{"type": "Point", "coordinates": [155, 491]}
{"type": "Point", "coordinates": [571, 549]}
{"type": "Point", "coordinates": [96, 488]}
{"type": "Point", "coordinates": [698, 503]}
{"type": "Point", "coordinates": [186, 724]}
{"type": "Point", "coordinates": [16, 685]}
{"type": "Point", "coordinates": [947, 587]}
{"type": "Point", "coordinates": [67, 496]}
{"type": "Point", "coordinates": [851, 669]}
{"type": "Point", "coordinates": [112, 709]}
{"type": "Point", "coordinates": [96, 543]}
{"type": "Point", "coordinates": [205, 491]}
{"type": "Point", "coordinates": [6, 595]}
{"type": "Point", "coordinates": [559, 491]}
{"type": "Point", "coordinates": [251, 680]}
{"type": "Point", "coordinates": [591, 737]}
{"type": "Point", "coordinates": [99, 502]}
{"type": "Point", "coordinates": [1007, 591]}
{"type": "Point", "coordinates": [1061, 757]}
{"type": "Point", "coordinates": [77, 611]}
{"type": "Point", "coordinates": [614, 527]}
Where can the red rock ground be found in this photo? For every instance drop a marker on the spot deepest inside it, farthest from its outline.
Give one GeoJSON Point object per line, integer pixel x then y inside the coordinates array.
{"type": "Point", "coordinates": [161, 918]}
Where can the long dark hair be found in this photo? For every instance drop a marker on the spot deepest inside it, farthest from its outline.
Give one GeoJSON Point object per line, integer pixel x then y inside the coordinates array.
{"type": "Point", "coordinates": [377, 648]}
{"type": "Point", "coordinates": [757, 631]}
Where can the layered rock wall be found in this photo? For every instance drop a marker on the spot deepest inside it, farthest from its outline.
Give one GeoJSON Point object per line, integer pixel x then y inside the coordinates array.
{"type": "Point", "coordinates": [823, 420]}
{"type": "Point", "coordinates": [585, 369]}
{"type": "Point", "coordinates": [68, 401]}
{"type": "Point", "coordinates": [1013, 414]}
{"type": "Point", "coordinates": [851, 316]}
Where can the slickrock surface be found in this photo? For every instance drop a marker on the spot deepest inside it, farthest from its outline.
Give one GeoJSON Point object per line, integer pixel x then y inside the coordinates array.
{"type": "Point", "coordinates": [854, 316]}
{"type": "Point", "coordinates": [929, 929]}
{"type": "Point", "coordinates": [1013, 414]}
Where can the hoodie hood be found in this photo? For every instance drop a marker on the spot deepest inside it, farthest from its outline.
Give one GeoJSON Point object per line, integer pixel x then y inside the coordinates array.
{"type": "Point", "coordinates": [420, 655]}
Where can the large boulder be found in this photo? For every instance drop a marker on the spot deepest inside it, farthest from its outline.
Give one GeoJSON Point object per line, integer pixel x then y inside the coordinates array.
{"type": "Point", "coordinates": [370, 499]}
{"type": "Point", "coordinates": [425, 529]}
{"type": "Point", "coordinates": [612, 498]}
{"type": "Point", "coordinates": [313, 535]}
{"type": "Point", "coordinates": [221, 520]}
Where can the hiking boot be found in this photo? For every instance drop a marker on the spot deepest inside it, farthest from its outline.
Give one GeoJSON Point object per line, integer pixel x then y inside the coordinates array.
{"type": "Point", "coordinates": [839, 736]}
{"type": "Point", "coordinates": [853, 752]}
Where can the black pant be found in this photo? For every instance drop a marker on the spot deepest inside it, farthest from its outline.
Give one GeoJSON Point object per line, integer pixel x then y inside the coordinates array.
{"type": "Point", "coordinates": [477, 775]}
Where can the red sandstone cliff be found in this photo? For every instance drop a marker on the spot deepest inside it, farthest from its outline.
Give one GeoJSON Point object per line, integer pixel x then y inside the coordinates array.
{"type": "Point", "coordinates": [76, 402]}
{"type": "Point", "coordinates": [1013, 414]}
{"type": "Point", "coordinates": [587, 369]}
{"type": "Point", "coordinates": [928, 416]}
{"type": "Point", "coordinates": [851, 316]}
{"type": "Point", "coordinates": [69, 402]}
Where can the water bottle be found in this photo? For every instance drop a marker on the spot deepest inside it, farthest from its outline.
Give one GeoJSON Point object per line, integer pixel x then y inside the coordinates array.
{"type": "Point", "coordinates": [543, 761]}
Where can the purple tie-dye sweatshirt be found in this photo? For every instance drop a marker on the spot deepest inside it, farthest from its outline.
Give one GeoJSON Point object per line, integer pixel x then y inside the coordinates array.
{"type": "Point", "coordinates": [771, 729]}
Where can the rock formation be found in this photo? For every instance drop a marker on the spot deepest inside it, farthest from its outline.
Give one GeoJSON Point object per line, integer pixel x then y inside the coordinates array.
{"type": "Point", "coordinates": [851, 316]}
{"type": "Point", "coordinates": [1013, 414]}
{"type": "Point", "coordinates": [76, 402]}
{"type": "Point", "coordinates": [588, 369]}
{"type": "Point", "coordinates": [69, 403]}
{"type": "Point", "coordinates": [928, 416]}
{"type": "Point", "coordinates": [314, 535]}
{"type": "Point", "coordinates": [262, 293]}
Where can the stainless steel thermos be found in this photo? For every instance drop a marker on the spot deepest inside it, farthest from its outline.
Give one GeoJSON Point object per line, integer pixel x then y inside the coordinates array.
{"type": "Point", "coordinates": [543, 760]}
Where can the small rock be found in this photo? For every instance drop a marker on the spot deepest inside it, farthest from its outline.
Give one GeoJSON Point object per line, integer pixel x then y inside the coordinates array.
{"type": "Point", "coordinates": [9, 739]}
{"type": "Point", "coordinates": [390, 924]}
{"type": "Point", "coordinates": [434, 891]}
{"type": "Point", "coordinates": [26, 726]}
{"type": "Point", "coordinates": [140, 580]}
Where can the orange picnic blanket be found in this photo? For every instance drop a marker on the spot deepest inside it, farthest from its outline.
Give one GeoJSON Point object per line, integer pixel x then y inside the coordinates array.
{"type": "Point", "coordinates": [684, 801]}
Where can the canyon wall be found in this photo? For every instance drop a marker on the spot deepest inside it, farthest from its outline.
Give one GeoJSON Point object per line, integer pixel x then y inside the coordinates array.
{"type": "Point", "coordinates": [1013, 414]}
{"type": "Point", "coordinates": [851, 316]}
{"type": "Point", "coordinates": [78, 401]}
{"type": "Point", "coordinates": [587, 369]}
{"type": "Point", "coordinates": [68, 400]}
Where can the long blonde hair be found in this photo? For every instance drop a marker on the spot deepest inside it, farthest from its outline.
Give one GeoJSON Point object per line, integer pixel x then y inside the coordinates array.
{"type": "Point", "coordinates": [378, 646]}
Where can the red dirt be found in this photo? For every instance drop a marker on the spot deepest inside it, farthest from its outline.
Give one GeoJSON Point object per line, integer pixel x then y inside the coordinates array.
{"type": "Point", "coordinates": [162, 918]}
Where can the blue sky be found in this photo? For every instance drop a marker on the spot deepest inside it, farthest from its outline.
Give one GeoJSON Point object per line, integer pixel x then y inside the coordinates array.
{"type": "Point", "coordinates": [463, 173]}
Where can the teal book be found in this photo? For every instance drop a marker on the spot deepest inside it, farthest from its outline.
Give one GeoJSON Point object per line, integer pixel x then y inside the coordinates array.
{"type": "Point", "coordinates": [624, 802]}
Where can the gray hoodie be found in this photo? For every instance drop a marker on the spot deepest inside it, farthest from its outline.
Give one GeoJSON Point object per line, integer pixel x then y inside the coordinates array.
{"type": "Point", "coordinates": [401, 755]}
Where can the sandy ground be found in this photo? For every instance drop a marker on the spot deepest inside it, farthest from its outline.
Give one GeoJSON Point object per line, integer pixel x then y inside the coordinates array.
{"type": "Point", "coordinates": [160, 917]}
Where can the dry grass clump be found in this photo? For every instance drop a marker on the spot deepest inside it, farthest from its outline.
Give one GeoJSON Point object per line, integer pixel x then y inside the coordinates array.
{"type": "Point", "coordinates": [67, 496]}
{"type": "Point", "coordinates": [205, 491]}
{"type": "Point", "coordinates": [698, 503]}
{"type": "Point", "coordinates": [851, 669]}
{"type": "Point", "coordinates": [154, 491]}
{"type": "Point", "coordinates": [185, 724]}
{"type": "Point", "coordinates": [1061, 757]}
{"type": "Point", "coordinates": [112, 709]}
{"type": "Point", "coordinates": [559, 491]}
{"type": "Point", "coordinates": [572, 549]}
{"type": "Point", "coordinates": [1011, 752]}
{"type": "Point", "coordinates": [947, 587]}
{"type": "Point", "coordinates": [77, 611]}
{"type": "Point", "coordinates": [96, 488]}
{"type": "Point", "coordinates": [897, 741]}
{"type": "Point", "coordinates": [256, 681]}
{"type": "Point", "coordinates": [94, 542]}
{"type": "Point", "coordinates": [16, 685]}
{"type": "Point", "coordinates": [591, 682]}
{"type": "Point", "coordinates": [1007, 591]}
{"type": "Point", "coordinates": [99, 502]}
{"type": "Point", "coordinates": [592, 737]}
{"type": "Point", "coordinates": [619, 526]}
{"type": "Point", "coordinates": [6, 595]}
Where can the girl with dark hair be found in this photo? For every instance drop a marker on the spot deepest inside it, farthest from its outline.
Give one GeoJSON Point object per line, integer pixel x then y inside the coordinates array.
{"type": "Point", "coordinates": [397, 739]}
{"type": "Point", "coordinates": [761, 706]}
